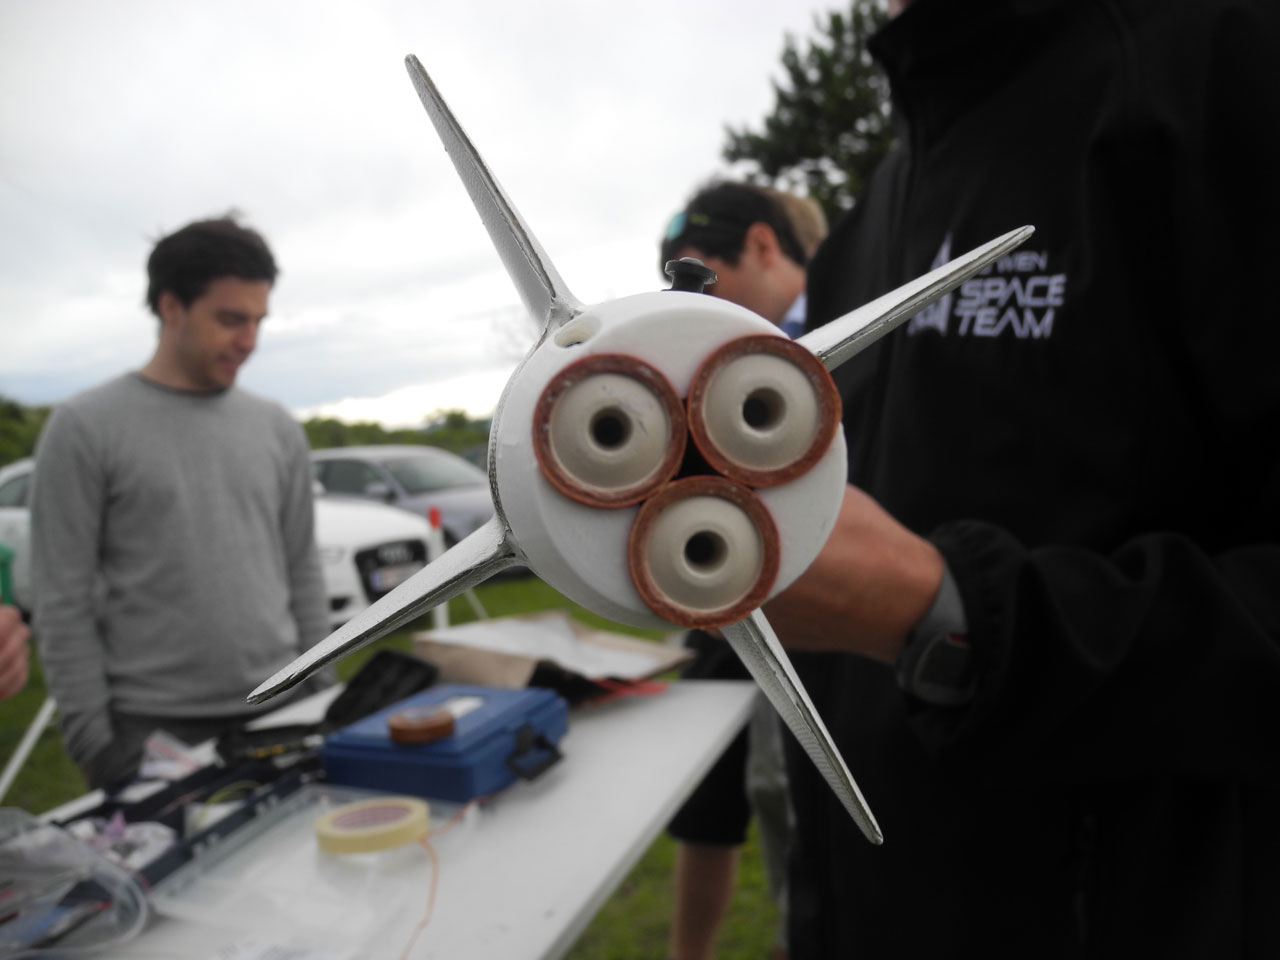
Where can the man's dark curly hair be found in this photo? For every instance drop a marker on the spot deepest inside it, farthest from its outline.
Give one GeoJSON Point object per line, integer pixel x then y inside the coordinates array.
{"type": "Point", "coordinates": [188, 260]}
{"type": "Point", "coordinates": [716, 218]}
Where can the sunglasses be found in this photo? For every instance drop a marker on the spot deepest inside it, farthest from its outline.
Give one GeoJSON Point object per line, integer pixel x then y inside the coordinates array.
{"type": "Point", "coordinates": [683, 220]}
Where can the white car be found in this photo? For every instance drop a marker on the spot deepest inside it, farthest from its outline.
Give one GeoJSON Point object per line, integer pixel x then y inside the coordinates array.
{"type": "Point", "coordinates": [366, 549]}
{"type": "Point", "coordinates": [15, 526]}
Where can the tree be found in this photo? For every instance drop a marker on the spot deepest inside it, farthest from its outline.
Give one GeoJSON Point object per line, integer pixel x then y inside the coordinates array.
{"type": "Point", "coordinates": [830, 122]}
{"type": "Point", "coordinates": [453, 430]}
{"type": "Point", "coordinates": [456, 431]}
{"type": "Point", "coordinates": [19, 428]}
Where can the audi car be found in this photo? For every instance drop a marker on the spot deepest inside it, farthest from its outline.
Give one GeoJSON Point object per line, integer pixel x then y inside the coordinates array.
{"type": "Point", "coordinates": [366, 550]}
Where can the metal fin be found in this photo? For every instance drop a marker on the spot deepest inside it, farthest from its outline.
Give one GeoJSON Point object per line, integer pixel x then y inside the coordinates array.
{"type": "Point", "coordinates": [757, 646]}
{"type": "Point", "coordinates": [544, 293]}
{"type": "Point", "coordinates": [477, 558]}
{"type": "Point", "coordinates": [837, 341]}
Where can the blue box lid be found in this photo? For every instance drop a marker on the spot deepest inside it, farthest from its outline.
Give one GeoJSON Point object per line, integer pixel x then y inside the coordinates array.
{"type": "Point", "coordinates": [479, 714]}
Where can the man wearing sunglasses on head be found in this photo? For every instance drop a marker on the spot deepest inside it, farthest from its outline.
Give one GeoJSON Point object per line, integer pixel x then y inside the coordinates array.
{"type": "Point", "coordinates": [757, 240]}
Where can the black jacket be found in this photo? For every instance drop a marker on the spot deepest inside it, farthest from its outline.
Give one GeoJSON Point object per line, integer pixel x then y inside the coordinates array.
{"type": "Point", "coordinates": [1090, 432]}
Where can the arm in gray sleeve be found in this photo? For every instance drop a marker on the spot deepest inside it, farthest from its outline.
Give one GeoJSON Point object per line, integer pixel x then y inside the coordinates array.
{"type": "Point", "coordinates": [306, 582]}
{"type": "Point", "coordinates": [66, 523]}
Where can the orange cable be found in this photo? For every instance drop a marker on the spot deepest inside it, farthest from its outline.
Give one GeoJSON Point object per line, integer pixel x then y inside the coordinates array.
{"type": "Point", "coordinates": [449, 824]}
{"type": "Point", "coordinates": [431, 896]}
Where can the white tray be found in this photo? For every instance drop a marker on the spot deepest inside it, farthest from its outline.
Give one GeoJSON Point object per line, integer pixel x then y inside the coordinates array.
{"type": "Point", "coordinates": [270, 881]}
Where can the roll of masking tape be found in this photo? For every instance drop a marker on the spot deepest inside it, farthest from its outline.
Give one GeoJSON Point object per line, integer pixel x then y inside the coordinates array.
{"type": "Point", "coordinates": [370, 825]}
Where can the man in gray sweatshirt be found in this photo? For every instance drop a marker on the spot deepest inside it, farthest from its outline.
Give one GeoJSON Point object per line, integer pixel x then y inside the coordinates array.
{"type": "Point", "coordinates": [172, 524]}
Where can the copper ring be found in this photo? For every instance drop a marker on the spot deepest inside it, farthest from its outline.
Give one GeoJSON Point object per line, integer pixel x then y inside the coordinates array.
{"type": "Point", "coordinates": [636, 369]}
{"type": "Point", "coordinates": [417, 725]}
{"type": "Point", "coordinates": [825, 392]}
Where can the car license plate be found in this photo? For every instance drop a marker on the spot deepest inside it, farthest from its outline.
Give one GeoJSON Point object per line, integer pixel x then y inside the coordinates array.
{"type": "Point", "coordinates": [388, 578]}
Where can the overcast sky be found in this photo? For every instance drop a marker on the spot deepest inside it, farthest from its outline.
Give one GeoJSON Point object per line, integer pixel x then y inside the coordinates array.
{"type": "Point", "coordinates": [121, 121]}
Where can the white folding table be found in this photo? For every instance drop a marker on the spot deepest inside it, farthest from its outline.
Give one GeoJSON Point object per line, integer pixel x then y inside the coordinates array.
{"type": "Point", "coordinates": [519, 878]}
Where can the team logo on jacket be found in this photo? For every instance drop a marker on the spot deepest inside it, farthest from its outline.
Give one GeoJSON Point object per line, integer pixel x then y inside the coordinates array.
{"type": "Point", "coordinates": [1017, 296]}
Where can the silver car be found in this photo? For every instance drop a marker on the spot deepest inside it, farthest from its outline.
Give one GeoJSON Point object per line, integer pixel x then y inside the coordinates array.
{"type": "Point", "coordinates": [414, 478]}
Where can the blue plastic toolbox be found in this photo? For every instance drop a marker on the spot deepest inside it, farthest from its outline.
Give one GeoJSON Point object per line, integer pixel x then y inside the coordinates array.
{"type": "Point", "coordinates": [498, 736]}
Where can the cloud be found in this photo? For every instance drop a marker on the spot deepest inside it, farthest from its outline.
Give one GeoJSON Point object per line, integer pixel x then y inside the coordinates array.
{"type": "Point", "coordinates": [125, 120]}
{"type": "Point", "coordinates": [476, 392]}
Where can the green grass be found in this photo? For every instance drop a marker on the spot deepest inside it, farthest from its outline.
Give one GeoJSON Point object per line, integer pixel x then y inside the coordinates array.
{"type": "Point", "coordinates": [631, 925]}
